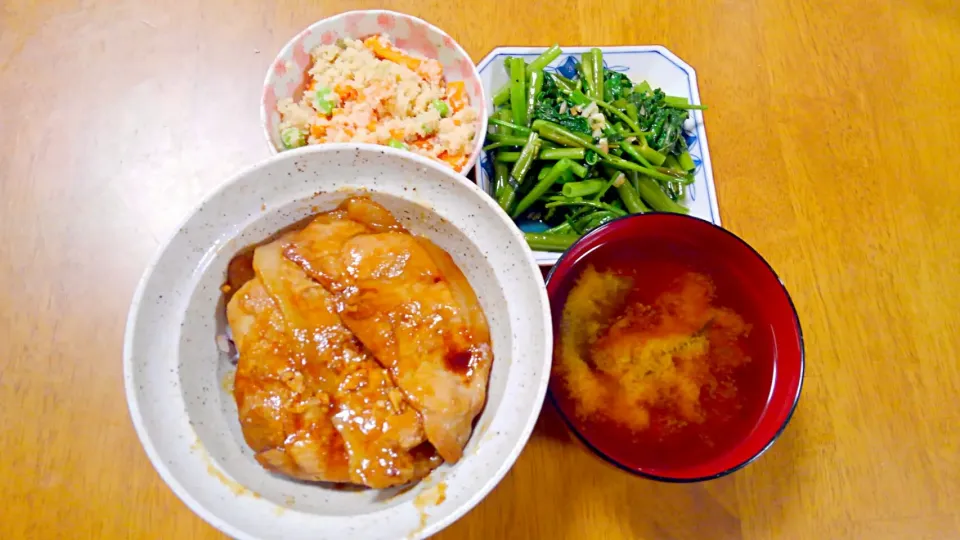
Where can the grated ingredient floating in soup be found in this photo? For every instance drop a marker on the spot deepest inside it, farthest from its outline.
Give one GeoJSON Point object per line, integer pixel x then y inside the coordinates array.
{"type": "Point", "coordinates": [370, 91]}
{"type": "Point", "coordinates": [659, 366]}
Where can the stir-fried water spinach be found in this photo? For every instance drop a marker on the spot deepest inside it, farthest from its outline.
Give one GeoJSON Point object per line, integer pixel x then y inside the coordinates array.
{"type": "Point", "coordinates": [573, 153]}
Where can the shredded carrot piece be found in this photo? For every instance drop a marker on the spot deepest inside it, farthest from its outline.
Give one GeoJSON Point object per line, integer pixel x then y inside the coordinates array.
{"type": "Point", "coordinates": [391, 53]}
{"type": "Point", "coordinates": [457, 161]}
{"type": "Point", "coordinates": [346, 92]}
{"type": "Point", "coordinates": [372, 126]}
{"type": "Point", "coordinates": [318, 131]}
{"type": "Point", "coordinates": [396, 134]}
{"type": "Point", "coordinates": [457, 95]}
{"type": "Point", "coordinates": [422, 144]}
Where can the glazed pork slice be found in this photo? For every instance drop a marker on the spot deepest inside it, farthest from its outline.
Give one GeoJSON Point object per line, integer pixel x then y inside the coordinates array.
{"type": "Point", "coordinates": [379, 426]}
{"type": "Point", "coordinates": [381, 435]}
{"type": "Point", "coordinates": [285, 422]}
{"type": "Point", "coordinates": [407, 302]}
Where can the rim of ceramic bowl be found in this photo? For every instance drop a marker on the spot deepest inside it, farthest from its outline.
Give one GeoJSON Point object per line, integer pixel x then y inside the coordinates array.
{"type": "Point", "coordinates": [133, 401]}
{"type": "Point", "coordinates": [796, 398]}
{"type": "Point", "coordinates": [481, 108]}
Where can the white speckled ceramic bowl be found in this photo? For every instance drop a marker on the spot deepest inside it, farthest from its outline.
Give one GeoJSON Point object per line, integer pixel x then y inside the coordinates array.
{"type": "Point", "coordinates": [177, 381]}
{"type": "Point", "coordinates": [287, 74]}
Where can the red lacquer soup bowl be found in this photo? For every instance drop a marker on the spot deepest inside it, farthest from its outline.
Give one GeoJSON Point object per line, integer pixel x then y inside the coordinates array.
{"type": "Point", "coordinates": [697, 366]}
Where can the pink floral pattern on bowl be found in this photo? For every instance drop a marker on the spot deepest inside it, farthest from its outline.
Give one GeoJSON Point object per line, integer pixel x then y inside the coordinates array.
{"type": "Point", "coordinates": [286, 76]}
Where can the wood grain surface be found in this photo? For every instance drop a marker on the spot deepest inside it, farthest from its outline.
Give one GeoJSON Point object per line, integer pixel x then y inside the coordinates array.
{"type": "Point", "coordinates": [833, 128]}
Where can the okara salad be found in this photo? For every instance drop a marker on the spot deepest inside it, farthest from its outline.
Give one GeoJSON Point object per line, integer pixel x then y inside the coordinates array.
{"type": "Point", "coordinates": [370, 91]}
{"type": "Point", "coordinates": [572, 154]}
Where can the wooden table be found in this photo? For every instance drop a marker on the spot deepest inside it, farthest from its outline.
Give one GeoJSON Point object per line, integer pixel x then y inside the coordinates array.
{"type": "Point", "coordinates": [833, 129]}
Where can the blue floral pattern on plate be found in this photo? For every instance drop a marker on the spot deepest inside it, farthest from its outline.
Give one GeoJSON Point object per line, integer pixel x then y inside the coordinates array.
{"type": "Point", "coordinates": [568, 67]}
{"type": "Point", "coordinates": [486, 164]}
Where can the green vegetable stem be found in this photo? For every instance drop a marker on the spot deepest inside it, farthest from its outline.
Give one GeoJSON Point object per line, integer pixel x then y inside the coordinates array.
{"type": "Point", "coordinates": [503, 94]}
{"type": "Point", "coordinates": [507, 140]}
{"type": "Point", "coordinates": [518, 72]}
{"type": "Point", "coordinates": [586, 68]}
{"type": "Point", "coordinates": [596, 58]}
{"type": "Point", "coordinates": [636, 154]}
{"type": "Point", "coordinates": [563, 228]}
{"type": "Point", "coordinates": [658, 200]}
{"type": "Point", "coordinates": [619, 114]}
{"type": "Point", "coordinates": [583, 188]}
{"type": "Point", "coordinates": [560, 153]}
{"type": "Point", "coordinates": [578, 169]}
{"type": "Point", "coordinates": [547, 56]}
{"type": "Point", "coordinates": [542, 186]}
{"type": "Point", "coordinates": [589, 204]}
{"type": "Point", "coordinates": [629, 196]}
{"type": "Point", "coordinates": [672, 163]}
{"type": "Point", "coordinates": [509, 125]}
{"type": "Point", "coordinates": [624, 165]}
{"type": "Point", "coordinates": [527, 155]}
{"type": "Point", "coordinates": [681, 103]}
{"type": "Point", "coordinates": [559, 135]}
{"type": "Point", "coordinates": [550, 242]}
{"type": "Point", "coordinates": [501, 177]}
{"type": "Point", "coordinates": [519, 171]}
{"type": "Point", "coordinates": [655, 158]}
{"type": "Point", "coordinates": [534, 84]}
{"type": "Point", "coordinates": [564, 84]}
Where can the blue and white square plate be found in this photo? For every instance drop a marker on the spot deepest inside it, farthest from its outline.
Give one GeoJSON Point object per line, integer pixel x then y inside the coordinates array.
{"type": "Point", "coordinates": [653, 63]}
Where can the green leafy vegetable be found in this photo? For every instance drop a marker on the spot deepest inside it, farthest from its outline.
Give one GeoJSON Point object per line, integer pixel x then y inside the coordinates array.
{"type": "Point", "coordinates": [615, 85]}
{"type": "Point", "coordinates": [551, 137]}
{"type": "Point", "coordinates": [664, 123]}
{"type": "Point", "coordinates": [549, 104]}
